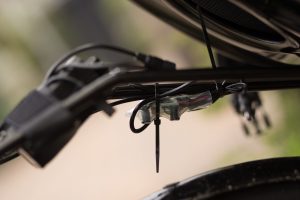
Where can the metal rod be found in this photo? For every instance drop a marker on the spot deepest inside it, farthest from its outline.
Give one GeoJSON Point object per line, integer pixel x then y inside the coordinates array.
{"type": "Point", "coordinates": [229, 74]}
{"type": "Point", "coordinates": [122, 92]}
{"type": "Point", "coordinates": [118, 76]}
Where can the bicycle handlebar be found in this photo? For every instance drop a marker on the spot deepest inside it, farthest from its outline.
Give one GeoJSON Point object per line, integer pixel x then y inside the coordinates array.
{"type": "Point", "coordinates": [56, 125]}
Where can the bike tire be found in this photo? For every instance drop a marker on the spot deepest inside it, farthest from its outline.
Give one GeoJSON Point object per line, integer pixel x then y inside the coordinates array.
{"type": "Point", "coordinates": [270, 179]}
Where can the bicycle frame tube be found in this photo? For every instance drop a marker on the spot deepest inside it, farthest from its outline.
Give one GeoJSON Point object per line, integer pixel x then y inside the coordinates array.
{"type": "Point", "coordinates": [257, 78]}
{"type": "Point", "coordinates": [73, 110]}
{"type": "Point", "coordinates": [122, 92]}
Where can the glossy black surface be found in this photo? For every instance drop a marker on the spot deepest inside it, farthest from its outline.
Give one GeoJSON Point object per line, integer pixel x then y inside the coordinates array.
{"type": "Point", "coordinates": [277, 178]}
{"type": "Point", "coordinates": [263, 32]}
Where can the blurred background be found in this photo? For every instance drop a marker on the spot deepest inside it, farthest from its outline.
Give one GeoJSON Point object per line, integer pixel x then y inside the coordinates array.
{"type": "Point", "coordinates": [105, 160]}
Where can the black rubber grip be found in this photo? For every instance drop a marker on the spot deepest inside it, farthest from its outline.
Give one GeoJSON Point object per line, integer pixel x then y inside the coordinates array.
{"type": "Point", "coordinates": [30, 106]}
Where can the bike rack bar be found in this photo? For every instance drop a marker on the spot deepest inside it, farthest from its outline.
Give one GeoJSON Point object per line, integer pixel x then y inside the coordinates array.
{"type": "Point", "coordinates": [220, 74]}
{"type": "Point", "coordinates": [79, 103]}
{"type": "Point", "coordinates": [288, 77]}
{"type": "Point", "coordinates": [122, 92]}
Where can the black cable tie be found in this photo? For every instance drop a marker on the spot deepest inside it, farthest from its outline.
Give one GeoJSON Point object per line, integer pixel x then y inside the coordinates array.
{"type": "Point", "coordinates": [157, 123]}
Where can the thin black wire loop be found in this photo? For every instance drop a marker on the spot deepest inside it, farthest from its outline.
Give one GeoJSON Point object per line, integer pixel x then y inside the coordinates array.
{"type": "Point", "coordinates": [133, 116]}
{"type": "Point", "coordinates": [146, 101]}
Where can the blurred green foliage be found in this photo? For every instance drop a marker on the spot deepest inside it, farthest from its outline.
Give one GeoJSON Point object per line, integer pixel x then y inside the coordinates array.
{"type": "Point", "coordinates": [287, 138]}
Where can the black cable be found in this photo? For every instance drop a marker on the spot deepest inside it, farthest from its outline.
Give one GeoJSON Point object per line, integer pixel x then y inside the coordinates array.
{"type": "Point", "coordinates": [170, 92]}
{"type": "Point", "coordinates": [84, 48]}
{"type": "Point", "coordinates": [133, 116]}
{"type": "Point", "coordinates": [177, 89]}
{"type": "Point", "coordinates": [206, 37]}
{"type": "Point", "coordinates": [127, 100]}
{"type": "Point", "coordinates": [131, 99]}
{"type": "Point", "coordinates": [146, 101]}
{"type": "Point", "coordinates": [99, 66]}
{"type": "Point", "coordinates": [150, 62]}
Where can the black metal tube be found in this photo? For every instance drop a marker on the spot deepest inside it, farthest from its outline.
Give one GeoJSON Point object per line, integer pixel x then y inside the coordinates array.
{"type": "Point", "coordinates": [129, 91]}
{"type": "Point", "coordinates": [220, 74]}
{"type": "Point", "coordinates": [247, 75]}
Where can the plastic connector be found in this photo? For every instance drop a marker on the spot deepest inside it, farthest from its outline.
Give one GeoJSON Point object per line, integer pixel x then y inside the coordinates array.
{"type": "Point", "coordinates": [173, 107]}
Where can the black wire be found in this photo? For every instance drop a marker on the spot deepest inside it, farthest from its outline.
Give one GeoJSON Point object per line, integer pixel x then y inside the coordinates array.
{"type": "Point", "coordinates": [177, 89]}
{"type": "Point", "coordinates": [131, 99]}
{"type": "Point", "coordinates": [98, 66]}
{"type": "Point", "coordinates": [146, 101]}
{"type": "Point", "coordinates": [127, 100]}
{"type": "Point", "coordinates": [84, 48]}
{"type": "Point", "coordinates": [206, 38]}
{"type": "Point", "coordinates": [133, 116]}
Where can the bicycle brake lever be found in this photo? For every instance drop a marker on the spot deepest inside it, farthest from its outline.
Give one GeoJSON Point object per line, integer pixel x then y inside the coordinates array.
{"type": "Point", "coordinates": [246, 105]}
